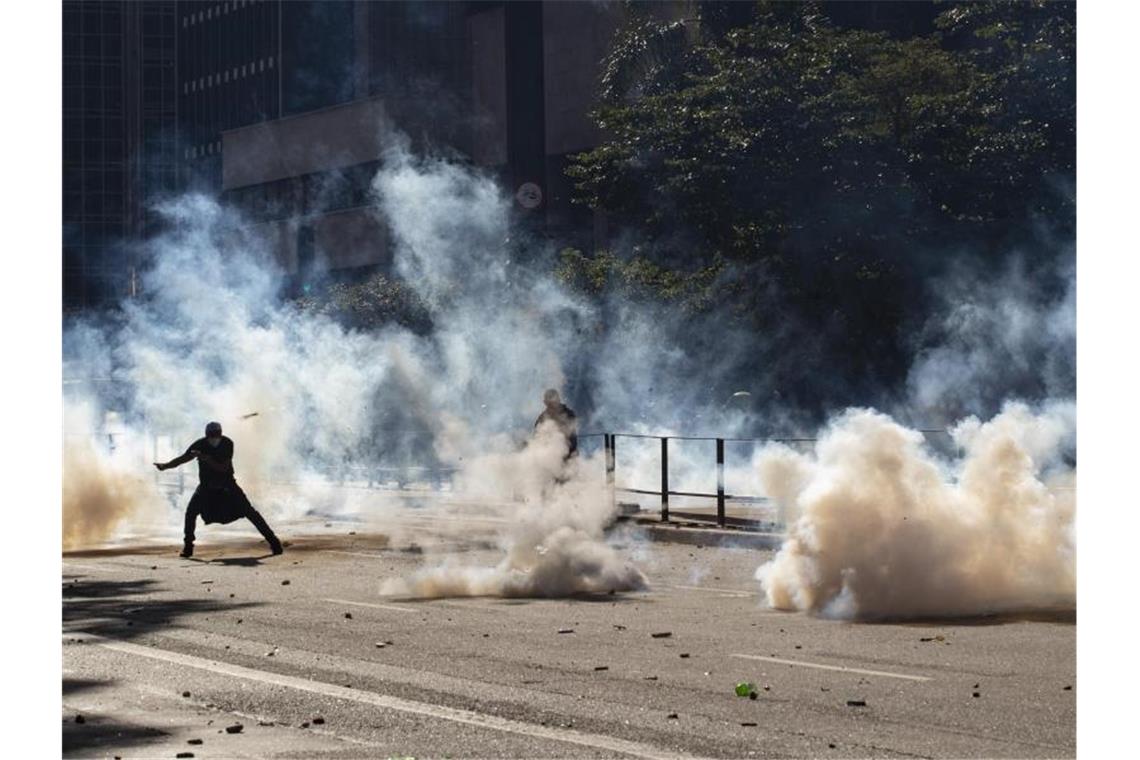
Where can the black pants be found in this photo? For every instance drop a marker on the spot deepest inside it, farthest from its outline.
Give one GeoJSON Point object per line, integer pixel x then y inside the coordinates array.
{"type": "Point", "coordinates": [246, 510]}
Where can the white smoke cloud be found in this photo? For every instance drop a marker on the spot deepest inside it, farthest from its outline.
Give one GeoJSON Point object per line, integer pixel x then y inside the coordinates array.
{"type": "Point", "coordinates": [882, 528]}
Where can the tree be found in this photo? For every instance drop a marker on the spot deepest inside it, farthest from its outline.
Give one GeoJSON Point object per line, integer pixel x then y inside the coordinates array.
{"type": "Point", "coordinates": [809, 169]}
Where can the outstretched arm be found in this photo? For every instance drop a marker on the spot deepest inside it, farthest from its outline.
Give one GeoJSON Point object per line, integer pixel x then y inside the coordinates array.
{"type": "Point", "coordinates": [176, 462]}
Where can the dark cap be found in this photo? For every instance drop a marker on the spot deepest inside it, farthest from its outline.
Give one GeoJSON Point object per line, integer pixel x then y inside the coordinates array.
{"type": "Point", "coordinates": [213, 428]}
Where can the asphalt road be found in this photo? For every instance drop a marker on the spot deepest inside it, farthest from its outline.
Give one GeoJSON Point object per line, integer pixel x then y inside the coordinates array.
{"type": "Point", "coordinates": [161, 655]}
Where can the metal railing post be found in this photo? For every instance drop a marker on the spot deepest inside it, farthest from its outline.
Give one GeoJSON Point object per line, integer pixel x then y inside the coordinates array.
{"type": "Point", "coordinates": [611, 466]}
{"type": "Point", "coordinates": [664, 479]}
{"type": "Point", "coordinates": [720, 482]}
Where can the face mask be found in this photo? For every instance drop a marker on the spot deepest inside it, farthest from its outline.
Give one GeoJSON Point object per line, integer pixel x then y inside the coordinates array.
{"type": "Point", "coordinates": [214, 441]}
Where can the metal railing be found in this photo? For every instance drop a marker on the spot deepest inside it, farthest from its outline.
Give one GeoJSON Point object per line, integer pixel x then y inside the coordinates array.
{"type": "Point", "coordinates": [609, 444]}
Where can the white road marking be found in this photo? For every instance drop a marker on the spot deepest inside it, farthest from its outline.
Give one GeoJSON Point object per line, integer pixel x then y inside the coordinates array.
{"type": "Point", "coordinates": [370, 604]}
{"type": "Point", "coordinates": [383, 701]}
{"type": "Point", "coordinates": [834, 667]}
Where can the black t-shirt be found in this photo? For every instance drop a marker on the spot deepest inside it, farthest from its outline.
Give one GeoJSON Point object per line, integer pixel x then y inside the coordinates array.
{"type": "Point", "coordinates": [222, 454]}
{"type": "Point", "coordinates": [566, 421]}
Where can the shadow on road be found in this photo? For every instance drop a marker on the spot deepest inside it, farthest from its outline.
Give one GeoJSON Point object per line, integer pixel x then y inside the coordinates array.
{"type": "Point", "coordinates": [128, 609]}
{"type": "Point", "coordinates": [239, 561]}
{"type": "Point", "coordinates": [79, 739]}
{"type": "Point", "coordinates": [1060, 615]}
{"type": "Point", "coordinates": [76, 685]}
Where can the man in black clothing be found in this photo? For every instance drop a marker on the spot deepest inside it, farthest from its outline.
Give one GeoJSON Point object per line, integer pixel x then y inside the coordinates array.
{"type": "Point", "coordinates": [563, 417]}
{"type": "Point", "coordinates": [218, 498]}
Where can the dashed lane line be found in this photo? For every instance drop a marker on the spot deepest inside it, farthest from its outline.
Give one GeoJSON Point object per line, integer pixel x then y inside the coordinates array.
{"type": "Point", "coordinates": [840, 668]}
{"type": "Point", "coordinates": [392, 607]}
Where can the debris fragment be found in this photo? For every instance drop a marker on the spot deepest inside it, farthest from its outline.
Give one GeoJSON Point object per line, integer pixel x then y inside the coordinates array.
{"type": "Point", "coordinates": [285, 582]}
{"type": "Point", "coordinates": [234, 729]}
{"type": "Point", "coordinates": [317, 721]}
{"type": "Point", "coordinates": [80, 719]}
{"type": "Point", "coordinates": [671, 716]}
{"type": "Point", "coordinates": [619, 627]}
{"type": "Point", "coordinates": [743, 689]}
{"type": "Point", "coordinates": [601, 667]}
{"type": "Point", "coordinates": [185, 754]}
{"type": "Point", "coordinates": [566, 630]}
{"type": "Point", "coordinates": [266, 723]}
{"type": "Point", "coordinates": [348, 616]}
{"type": "Point", "coordinates": [194, 741]}
{"type": "Point", "coordinates": [305, 724]}
{"type": "Point", "coordinates": [651, 678]}
{"type": "Point", "coordinates": [185, 693]}
{"type": "Point", "coordinates": [977, 694]}
{"type": "Point", "coordinates": [662, 635]}
{"type": "Point", "coordinates": [1067, 688]}
{"type": "Point", "coordinates": [747, 723]}
{"type": "Point", "coordinates": [856, 703]}
{"type": "Point", "coordinates": [684, 655]}
{"type": "Point", "coordinates": [379, 644]}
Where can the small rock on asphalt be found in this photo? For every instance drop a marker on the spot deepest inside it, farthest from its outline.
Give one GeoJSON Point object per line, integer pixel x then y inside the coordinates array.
{"type": "Point", "coordinates": [194, 741]}
{"type": "Point", "coordinates": [317, 721]}
{"type": "Point", "coordinates": [185, 693]}
{"type": "Point", "coordinates": [185, 754]}
{"type": "Point", "coordinates": [234, 729]}
{"type": "Point", "coordinates": [672, 716]}
{"type": "Point", "coordinates": [348, 616]}
{"type": "Point", "coordinates": [285, 583]}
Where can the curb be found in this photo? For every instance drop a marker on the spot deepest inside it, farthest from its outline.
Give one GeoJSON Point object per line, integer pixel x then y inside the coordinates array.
{"type": "Point", "coordinates": [697, 534]}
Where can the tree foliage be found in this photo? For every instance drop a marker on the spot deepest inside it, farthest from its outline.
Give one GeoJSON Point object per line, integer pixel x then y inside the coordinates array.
{"type": "Point", "coordinates": [790, 132]}
{"type": "Point", "coordinates": [796, 169]}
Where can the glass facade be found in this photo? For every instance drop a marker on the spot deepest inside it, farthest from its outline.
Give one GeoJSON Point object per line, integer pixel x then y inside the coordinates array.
{"type": "Point", "coordinates": [118, 139]}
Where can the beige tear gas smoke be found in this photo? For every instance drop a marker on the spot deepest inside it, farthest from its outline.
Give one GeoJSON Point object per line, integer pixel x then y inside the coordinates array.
{"type": "Point", "coordinates": [555, 545]}
{"type": "Point", "coordinates": [102, 484]}
{"type": "Point", "coordinates": [880, 528]}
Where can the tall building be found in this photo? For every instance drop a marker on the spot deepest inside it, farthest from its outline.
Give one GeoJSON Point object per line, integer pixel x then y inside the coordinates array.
{"type": "Point", "coordinates": [278, 107]}
{"type": "Point", "coordinates": [119, 116]}
{"type": "Point", "coordinates": [504, 86]}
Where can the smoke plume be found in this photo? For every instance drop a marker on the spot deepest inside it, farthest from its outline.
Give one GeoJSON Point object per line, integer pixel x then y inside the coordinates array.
{"type": "Point", "coordinates": [556, 546]}
{"type": "Point", "coordinates": [882, 528]}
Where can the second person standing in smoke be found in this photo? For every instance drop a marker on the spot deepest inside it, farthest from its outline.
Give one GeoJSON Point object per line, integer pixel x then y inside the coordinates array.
{"type": "Point", "coordinates": [218, 498]}
{"type": "Point", "coordinates": [562, 417]}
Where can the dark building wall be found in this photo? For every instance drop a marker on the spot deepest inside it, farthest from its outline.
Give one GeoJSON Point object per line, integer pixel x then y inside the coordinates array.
{"type": "Point", "coordinates": [317, 54]}
{"type": "Point", "coordinates": [229, 63]}
{"type": "Point", "coordinates": [119, 150]}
